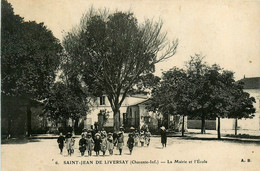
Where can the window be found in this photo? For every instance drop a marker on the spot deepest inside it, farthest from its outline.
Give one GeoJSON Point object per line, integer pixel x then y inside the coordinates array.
{"type": "Point", "coordinates": [102, 100]}
{"type": "Point", "coordinates": [124, 118]}
{"type": "Point", "coordinates": [130, 113]}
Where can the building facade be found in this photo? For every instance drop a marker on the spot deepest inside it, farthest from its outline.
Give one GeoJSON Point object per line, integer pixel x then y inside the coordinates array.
{"type": "Point", "coordinates": [251, 86]}
{"type": "Point", "coordinates": [128, 115]}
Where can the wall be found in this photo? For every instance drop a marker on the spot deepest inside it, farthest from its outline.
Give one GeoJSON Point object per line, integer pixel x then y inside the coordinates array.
{"type": "Point", "coordinates": [196, 124]}
{"type": "Point", "coordinates": [245, 123]}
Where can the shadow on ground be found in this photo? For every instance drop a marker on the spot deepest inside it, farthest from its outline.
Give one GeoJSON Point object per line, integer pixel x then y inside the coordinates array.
{"type": "Point", "coordinates": [244, 136]}
{"type": "Point", "coordinates": [19, 141]}
{"type": "Point", "coordinates": [224, 139]}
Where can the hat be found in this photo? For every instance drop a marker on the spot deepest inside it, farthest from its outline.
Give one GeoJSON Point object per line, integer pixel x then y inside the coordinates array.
{"type": "Point", "coordinates": [89, 134]}
{"type": "Point", "coordinates": [163, 128]}
{"type": "Point", "coordinates": [119, 132]}
{"type": "Point", "coordinates": [132, 128]}
{"type": "Point", "coordinates": [110, 133]}
{"type": "Point", "coordinates": [97, 134]}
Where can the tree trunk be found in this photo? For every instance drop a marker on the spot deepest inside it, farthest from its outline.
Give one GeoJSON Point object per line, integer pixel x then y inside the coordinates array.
{"type": "Point", "coordinates": [203, 129]}
{"type": "Point", "coordinates": [236, 126]}
{"type": "Point", "coordinates": [76, 126]}
{"type": "Point", "coordinates": [100, 122]}
{"type": "Point", "coordinates": [29, 121]}
{"type": "Point", "coordinates": [119, 119]}
{"type": "Point", "coordinates": [65, 123]}
{"type": "Point", "coordinates": [116, 119]}
{"type": "Point", "coordinates": [64, 129]}
{"type": "Point", "coordinates": [219, 136]}
{"type": "Point", "coordinates": [182, 130]}
{"type": "Point", "coordinates": [9, 126]}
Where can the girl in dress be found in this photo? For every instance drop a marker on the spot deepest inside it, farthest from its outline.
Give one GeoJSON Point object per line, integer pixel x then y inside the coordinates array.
{"type": "Point", "coordinates": [136, 138]}
{"type": "Point", "coordinates": [142, 138]}
{"type": "Point", "coordinates": [104, 144]}
{"type": "Point", "coordinates": [69, 141]}
{"type": "Point", "coordinates": [110, 143]}
{"type": "Point", "coordinates": [120, 142]}
{"type": "Point", "coordinates": [82, 144]}
{"type": "Point", "coordinates": [147, 137]}
{"type": "Point", "coordinates": [90, 144]}
{"type": "Point", "coordinates": [97, 142]}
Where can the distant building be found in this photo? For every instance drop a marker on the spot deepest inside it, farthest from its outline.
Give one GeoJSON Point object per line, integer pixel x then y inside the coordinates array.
{"type": "Point", "coordinates": [133, 113]}
{"type": "Point", "coordinates": [138, 116]}
{"type": "Point", "coordinates": [102, 103]}
{"type": "Point", "coordinates": [251, 86]}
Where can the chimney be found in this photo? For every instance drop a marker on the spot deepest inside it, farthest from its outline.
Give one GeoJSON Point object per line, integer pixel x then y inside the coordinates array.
{"type": "Point", "coordinates": [244, 76]}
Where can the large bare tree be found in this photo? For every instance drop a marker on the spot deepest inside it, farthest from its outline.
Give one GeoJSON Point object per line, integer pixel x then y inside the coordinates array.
{"type": "Point", "coordinates": [111, 52]}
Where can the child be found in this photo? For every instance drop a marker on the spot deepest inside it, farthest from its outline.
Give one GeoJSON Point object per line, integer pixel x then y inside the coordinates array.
{"type": "Point", "coordinates": [90, 144]}
{"type": "Point", "coordinates": [103, 132]}
{"type": "Point", "coordinates": [120, 142]}
{"type": "Point", "coordinates": [103, 144]}
{"type": "Point", "coordinates": [163, 136]}
{"type": "Point", "coordinates": [69, 141]}
{"type": "Point", "coordinates": [147, 137]}
{"type": "Point", "coordinates": [110, 143]}
{"type": "Point", "coordinates": [97, 142]}
{"type": "Point", "coordinates": [115, 136]}
{"type": "Point", "coordinates": [72, 144]}
{"type": "Point", "coordinates": [142, 137]}
{"type": "Point", "coordinates": [82, 144]}
{"type": "Point", "coordinates": [60, 141]}
{"type": "Point", "coordinates": [136, 138]}
{"type": "Point", "coordinates": [130, 143]}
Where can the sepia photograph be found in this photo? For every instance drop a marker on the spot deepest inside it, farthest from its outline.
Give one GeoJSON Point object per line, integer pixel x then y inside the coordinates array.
{"type": "Point", "coordinates": [130, 85]}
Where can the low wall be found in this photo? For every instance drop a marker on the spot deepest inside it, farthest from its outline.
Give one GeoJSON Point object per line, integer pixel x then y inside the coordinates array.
{"type": "Point", "coordinates": [196, 124]}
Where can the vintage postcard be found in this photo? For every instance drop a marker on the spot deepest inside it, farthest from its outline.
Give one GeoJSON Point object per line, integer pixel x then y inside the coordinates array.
{"type": "Point", "coordinates": [130, 85]}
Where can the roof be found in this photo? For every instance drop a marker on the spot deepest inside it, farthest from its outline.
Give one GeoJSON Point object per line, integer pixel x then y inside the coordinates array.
{"type": "Point", "coordinates": [137, 101]}
{"type": "Point", "coordinates": [251, 83]}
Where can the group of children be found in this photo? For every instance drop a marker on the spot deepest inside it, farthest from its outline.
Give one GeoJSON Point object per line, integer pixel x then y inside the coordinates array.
{"type": "Point", "coordinates": [102, 142]}
{"type": "Point", "coordinates": [143, 137]}
{"type": "Point", "coordinates": [69, 143]}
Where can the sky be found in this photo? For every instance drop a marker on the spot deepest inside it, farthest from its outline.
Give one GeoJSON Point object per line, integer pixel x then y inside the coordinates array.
{"type": "Point", "coordinates": [226, 32]}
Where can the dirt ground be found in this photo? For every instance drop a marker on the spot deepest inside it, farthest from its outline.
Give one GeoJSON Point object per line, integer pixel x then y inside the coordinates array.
{"type": "Point", "coordinates": [180, 154]}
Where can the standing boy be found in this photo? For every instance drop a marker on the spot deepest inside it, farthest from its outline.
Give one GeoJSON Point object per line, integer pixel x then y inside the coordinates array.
{"type": "Point", "coordinates": [60, 141]}
{"type": "Point", "coordinates": [130, 143]}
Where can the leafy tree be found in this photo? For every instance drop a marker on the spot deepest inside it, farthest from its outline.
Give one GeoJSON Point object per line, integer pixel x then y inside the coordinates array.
{"type": "Point", "coordinates": [174, 95]}
{"type": "Point", "coordinates": [30, 57]}
{"type": "Point", "coordinates": [65, 103]}
{"type": "Point", "coordinates": [145, 84]}
{"type": "Point", "coordinates": [242, 104]}
{"type": "Point", "coordinates": [197, 70]}
{"type": "Point", "coordinates": [111, 52]}
{"type": "Point", "coordinates": [219, 99]}
{"type": "Point", "coordinates": [226, 99]}
{"type": "Point", "coordinates": [201, 90]}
